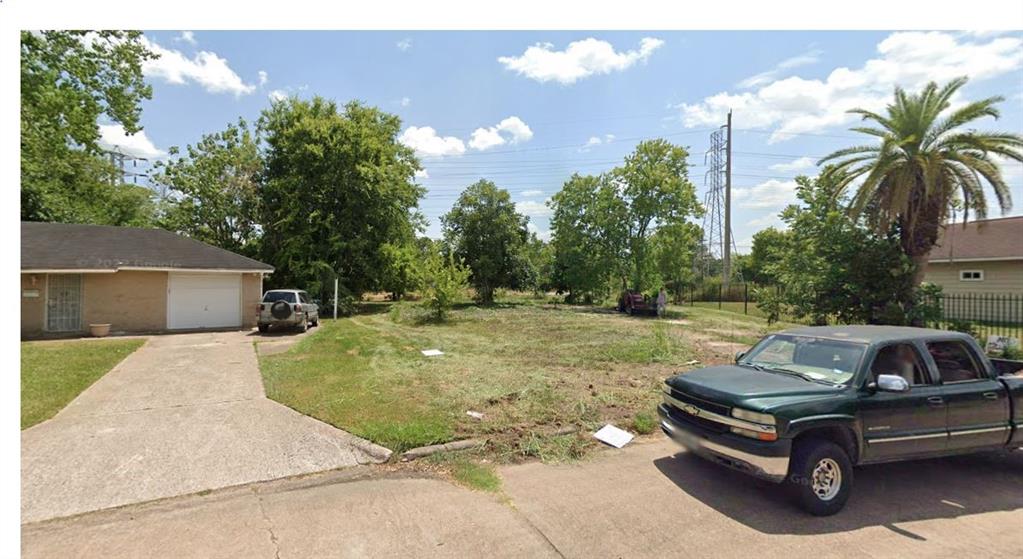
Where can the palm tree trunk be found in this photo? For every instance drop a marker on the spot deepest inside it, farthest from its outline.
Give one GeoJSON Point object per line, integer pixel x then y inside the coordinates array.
{"type": "Point", "coordinates": [917, 240]}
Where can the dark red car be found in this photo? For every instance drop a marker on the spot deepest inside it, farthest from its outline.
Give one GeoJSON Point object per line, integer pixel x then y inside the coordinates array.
{"type": "Point", "coordinates": [634, 302]}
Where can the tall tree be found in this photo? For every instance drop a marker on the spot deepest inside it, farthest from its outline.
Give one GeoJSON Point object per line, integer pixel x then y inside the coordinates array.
{"type": "Point", "coordinates": [655, 190]}
{"type": "Point", "coordinates": [588, 236]}
{"type": "Point", "coordinates": [923, 160]}
{"type": "Point", "coordinates": [484, 230]}
{"type": "Point", "coordinates": [215, 189]}
{"type": "Point", "coordinates": [69, 79]}
{"type": "Point", "coordinates": [337, 186]}
{"type": "Point", "coordinates": [675, 247]}
{"type": "Point", "coordinates": [768, 245]}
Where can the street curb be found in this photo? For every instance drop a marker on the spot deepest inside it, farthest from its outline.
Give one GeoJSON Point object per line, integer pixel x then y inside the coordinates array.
{"type": "Point", "coordinates": [464, 444]}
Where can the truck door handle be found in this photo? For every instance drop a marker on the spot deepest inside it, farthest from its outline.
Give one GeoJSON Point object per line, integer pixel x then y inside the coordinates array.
{"type": "Point", "coordinates": [935, 400]}
{"type": "Point", "coordinates": [991, 395]}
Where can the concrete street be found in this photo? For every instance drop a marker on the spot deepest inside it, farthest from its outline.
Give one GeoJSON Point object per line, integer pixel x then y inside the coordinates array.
{"type": "Point", "coordinates": [647, 500]}
{"type": "Point", "coordinates": [184, 413]}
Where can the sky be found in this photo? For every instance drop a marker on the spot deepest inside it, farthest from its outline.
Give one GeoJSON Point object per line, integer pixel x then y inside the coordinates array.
{"type": "Point", "coordinates": [528, 109]}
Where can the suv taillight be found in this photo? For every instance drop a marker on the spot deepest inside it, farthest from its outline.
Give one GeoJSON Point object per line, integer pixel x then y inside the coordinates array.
{"type": "Point", "coordinates": [262, 307]}
{"type": "Point", "coordinates": [298, 307]}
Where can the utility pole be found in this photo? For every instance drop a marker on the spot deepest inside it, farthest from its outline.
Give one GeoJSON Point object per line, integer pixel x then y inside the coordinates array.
{"type": "Point", "coordinates": [727, 261]}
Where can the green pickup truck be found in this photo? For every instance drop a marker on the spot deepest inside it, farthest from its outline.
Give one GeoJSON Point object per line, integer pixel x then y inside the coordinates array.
{"type": "Point", "coordinates": [804, 406]}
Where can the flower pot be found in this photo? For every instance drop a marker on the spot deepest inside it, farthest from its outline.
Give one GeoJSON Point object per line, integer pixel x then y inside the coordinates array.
{"type": "Point", "coordinates": [99, 330]}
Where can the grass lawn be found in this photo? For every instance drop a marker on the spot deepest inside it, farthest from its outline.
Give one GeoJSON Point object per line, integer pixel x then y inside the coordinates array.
{"type": "Point", "coordinates": [53, 373]}
{"type": "Point", "coordinates": [529, 368]}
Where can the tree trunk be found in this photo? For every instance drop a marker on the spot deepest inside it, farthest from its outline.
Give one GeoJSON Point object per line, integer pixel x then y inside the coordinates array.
{"type": "Point", "coordinates": [917, 237]}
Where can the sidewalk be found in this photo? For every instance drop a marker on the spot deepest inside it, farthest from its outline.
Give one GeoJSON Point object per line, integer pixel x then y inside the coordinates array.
{"type": "Point", "coordinates": [647, 500]}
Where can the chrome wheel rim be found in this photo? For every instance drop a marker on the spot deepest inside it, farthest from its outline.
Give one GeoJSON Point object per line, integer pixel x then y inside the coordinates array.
{"type": "Point", "coordinates": [826, 479]}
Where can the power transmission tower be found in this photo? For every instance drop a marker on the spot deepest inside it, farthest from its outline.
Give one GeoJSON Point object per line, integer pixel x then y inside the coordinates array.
{"type": "Point", "coordinates": [718, 242]}
{"type": "Point", "coordinates": [118, 159]}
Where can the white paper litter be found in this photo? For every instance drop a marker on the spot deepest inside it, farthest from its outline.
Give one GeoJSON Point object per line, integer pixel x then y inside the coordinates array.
{"type": "Point", "coordinates": [432, 352]}
{"type": "Point", "coordinates": [693, 362]}
{"type": "Point", "coordinates": [613, 436]}
{"type": "Point", "coordinates": [475, 415]}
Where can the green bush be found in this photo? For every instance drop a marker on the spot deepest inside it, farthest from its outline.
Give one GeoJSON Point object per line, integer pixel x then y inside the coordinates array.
{"type": "Point", "coordinates": [444, 282]}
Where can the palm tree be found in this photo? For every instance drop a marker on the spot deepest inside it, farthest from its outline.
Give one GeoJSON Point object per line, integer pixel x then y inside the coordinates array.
{"type": "Point", "coordinates": [924, 163]}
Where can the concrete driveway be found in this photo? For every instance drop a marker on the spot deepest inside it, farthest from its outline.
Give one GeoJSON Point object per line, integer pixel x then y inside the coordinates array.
{"type": "Point", "coordinates": [184, 413]}
{"type": "Point", "coordinates": [649, 499]}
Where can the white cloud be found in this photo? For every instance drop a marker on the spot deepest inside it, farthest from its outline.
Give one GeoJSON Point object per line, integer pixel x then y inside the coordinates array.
{"type": "Point", "coordinates": [796, 105]}
{"type": "Point", "coordinates": [531, 193]}
{"type": "Point", "coordinates": [795, 165]}
{"type": "Point", "coordinates": [510, 130]}
{"type": "Point", "coordinates": [405, 101]}
{"type": "Point", "coordinates": [205, 68]}
{"type": "Point", "coordinates": [278, 95]}
{"type": "Point", "coordinates": [186, 37]}
{"type": "Point", "coordinates": [804, 59]}
{"type": "Point", "coordinates": [579, 60]}
{"type": "Point", "coordinates": [113, 138]}
{"type": "Point", "coordinates": [769, 194]}
{"type": "Point", "coordinates": [263, 78]}
{"type": "Point", "coordinates": [427, 143]}
{"type": "Point", "coordinates": [544, 235]}
{"type": "Point", "coordinates": [596, 141]}
{"type": "Point", "coordinates": [422, 174]}
{"type": "Point", "coordinates": [532, 208]}
{"type": "Point", "coordinates": [404, 44]}
{"type": "Point", "coordinates": [770, 220]}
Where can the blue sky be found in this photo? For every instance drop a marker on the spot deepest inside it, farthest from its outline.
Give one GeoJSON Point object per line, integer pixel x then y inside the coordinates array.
{"type": "Point", "coordinates": [527, 109]}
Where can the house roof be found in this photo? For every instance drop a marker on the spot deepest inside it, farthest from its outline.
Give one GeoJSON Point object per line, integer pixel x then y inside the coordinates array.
{"type": "Point", "coordinates": [988, 239]}
{"type": "Point", "coordinates": [104, 248]}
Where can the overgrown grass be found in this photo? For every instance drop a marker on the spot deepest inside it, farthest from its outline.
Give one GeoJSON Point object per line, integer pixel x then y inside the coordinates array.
{"type": "Point", "coordinates": [530, 367]}
{"type": "Point", "coordinates": [54, 373]}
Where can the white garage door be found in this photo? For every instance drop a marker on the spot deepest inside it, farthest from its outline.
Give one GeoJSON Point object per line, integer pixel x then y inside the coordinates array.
{"type": "Point", "coordinates": [204, 300]}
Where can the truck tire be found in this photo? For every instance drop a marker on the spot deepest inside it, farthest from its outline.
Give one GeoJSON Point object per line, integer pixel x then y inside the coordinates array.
{"type": "Point", "coordinates": [820, 477]}
{"type": "Point", "coordinates": [263, 328]}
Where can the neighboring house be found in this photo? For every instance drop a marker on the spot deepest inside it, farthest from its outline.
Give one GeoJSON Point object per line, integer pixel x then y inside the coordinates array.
{"type": "Point", "coordinates": [981, 257]}
{"type": "Point", "coordinates": [136, 280]}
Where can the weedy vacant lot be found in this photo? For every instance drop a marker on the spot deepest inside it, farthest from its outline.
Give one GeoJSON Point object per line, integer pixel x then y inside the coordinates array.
{"type": "Point", "coordinates": [529, 369]}
{"type": "Point", "coordinates": [53, 373]}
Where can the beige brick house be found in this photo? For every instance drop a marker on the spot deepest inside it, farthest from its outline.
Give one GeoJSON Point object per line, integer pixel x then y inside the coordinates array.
{"type": "Point", "coordinates": [985, 256]}
{"type": "Point", "coordinates": [137, 280]}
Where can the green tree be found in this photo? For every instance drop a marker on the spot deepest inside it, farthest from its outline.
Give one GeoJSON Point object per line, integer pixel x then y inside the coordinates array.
{"type": "Point", "coordinates": [536, 265]}
{"type": "Point", "coordinates": [484, 230]}
{"type": "Point", "coordinates": [768, 245]}
{"type": "Point", "coordinates": [588, 236]}
{"type": "Point", "coordinates": [215, 188]}
{"type": "Point", "coordinates": [834, 268]}
{"type": "Point", "coordinates": [337, 186]}
{"type": "Point", "coordinates": [674, 247]}
{"type": "Point", "coordinates": [444, 281]}
{"type": "Point", "coordinates": [401, 272]}
{"type": "Point", "coordinates": [69, 80]}
{"type": "Point", "coordinates": [923, 160]}
{"type": "Point", "coordinates": [654, 188]}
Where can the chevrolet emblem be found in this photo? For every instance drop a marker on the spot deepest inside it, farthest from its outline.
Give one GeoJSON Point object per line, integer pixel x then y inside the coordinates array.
{"type": "Point", "coordinates": [690, 409]}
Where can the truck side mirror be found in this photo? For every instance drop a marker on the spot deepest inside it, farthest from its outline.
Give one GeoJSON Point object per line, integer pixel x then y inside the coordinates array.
{"type": "Point", "coordinates": [738, 355]}
{"type": "Point", "coordinates": [892, 383]}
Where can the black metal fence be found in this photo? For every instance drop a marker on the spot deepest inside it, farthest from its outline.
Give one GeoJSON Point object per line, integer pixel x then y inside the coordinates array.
{"type": "Point", "coordinates": [979, 314]}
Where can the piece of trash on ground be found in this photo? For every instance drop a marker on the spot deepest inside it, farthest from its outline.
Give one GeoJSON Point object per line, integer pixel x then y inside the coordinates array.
{"type": "Point", "coordinates": [475, 415]}
{"type": "Point", "coordinates": [432, 352]}
{"type": "Point", "coordinates": [693, 362]}
{"type": "Point", "coordinates": [613, 436]}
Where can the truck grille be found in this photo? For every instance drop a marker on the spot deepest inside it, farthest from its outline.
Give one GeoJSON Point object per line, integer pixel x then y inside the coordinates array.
{"type": "Point", "coordinates": [701, 403]}
{"type": "Point", "coordinates": [683, 417]}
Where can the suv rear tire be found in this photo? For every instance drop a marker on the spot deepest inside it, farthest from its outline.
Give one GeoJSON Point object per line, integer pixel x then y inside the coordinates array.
{"type": "Point", "coordinates": [820, 477]}
{"type": "Point", "coordinates": [263, 328]}
{"type": "Point", "coordinates": [304, 325]}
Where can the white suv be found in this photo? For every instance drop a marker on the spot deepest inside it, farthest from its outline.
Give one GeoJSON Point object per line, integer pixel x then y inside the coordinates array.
{"type": "Point", "coordinates": [287, 307]}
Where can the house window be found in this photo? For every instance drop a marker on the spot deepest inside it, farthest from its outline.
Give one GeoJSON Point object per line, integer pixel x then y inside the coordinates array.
{"type": "Point", "coordinates": [971, 275]}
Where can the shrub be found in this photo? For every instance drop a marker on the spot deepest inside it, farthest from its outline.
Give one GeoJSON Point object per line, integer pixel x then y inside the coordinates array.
{"type": "Point", "coordinates": [444, 281]}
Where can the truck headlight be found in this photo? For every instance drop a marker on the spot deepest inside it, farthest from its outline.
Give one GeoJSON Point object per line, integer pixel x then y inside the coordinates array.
{"type": "Point", "coordinates": [666, 388]}
{"type": "Point", "coordinates": [755, 417]}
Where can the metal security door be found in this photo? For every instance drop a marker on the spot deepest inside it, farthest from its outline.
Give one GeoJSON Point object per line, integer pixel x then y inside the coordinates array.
{"type": "Point", "coordinates": [64, 303]}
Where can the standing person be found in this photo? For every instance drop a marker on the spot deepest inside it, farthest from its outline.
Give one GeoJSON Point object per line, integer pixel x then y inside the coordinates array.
{"type": "Point", "coordinates": [662, 302]}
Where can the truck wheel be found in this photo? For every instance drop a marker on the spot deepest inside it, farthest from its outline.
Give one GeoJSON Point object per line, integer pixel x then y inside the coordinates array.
{"type": "Point", "coordinates": [304, 325]}
{"type": "Point", "coordinates": [630, 310]}
{"type": "Point", "coordinates": [263, 328]}
{"type": "Point", "coordinates": [821, 477]}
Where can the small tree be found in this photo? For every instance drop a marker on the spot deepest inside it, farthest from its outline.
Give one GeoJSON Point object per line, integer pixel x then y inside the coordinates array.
{"type": "Point", "coordinates": [444, 280]}
{"type": "Point", "coordinates": [401, 272]}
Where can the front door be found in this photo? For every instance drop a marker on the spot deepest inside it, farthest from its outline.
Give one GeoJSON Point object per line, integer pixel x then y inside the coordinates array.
{"type": "Point", "coordinates": [978, 405]}
{"type": "Point", "coordinates": [64, 303]}
{"type": "Point", "coordinates": [901, 424]}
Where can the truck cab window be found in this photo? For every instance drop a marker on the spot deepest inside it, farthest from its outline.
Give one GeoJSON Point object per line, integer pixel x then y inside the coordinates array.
{"type": "Point", "coordinates": [902, 360]}
{"type": "Point", "coordinates": [954, 360]}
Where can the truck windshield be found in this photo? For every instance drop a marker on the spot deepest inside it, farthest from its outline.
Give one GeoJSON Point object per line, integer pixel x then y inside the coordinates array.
{"type": "Point", "coordinates": [274, 296]}
{"type": "Point", "coordinates": [822, 359]}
